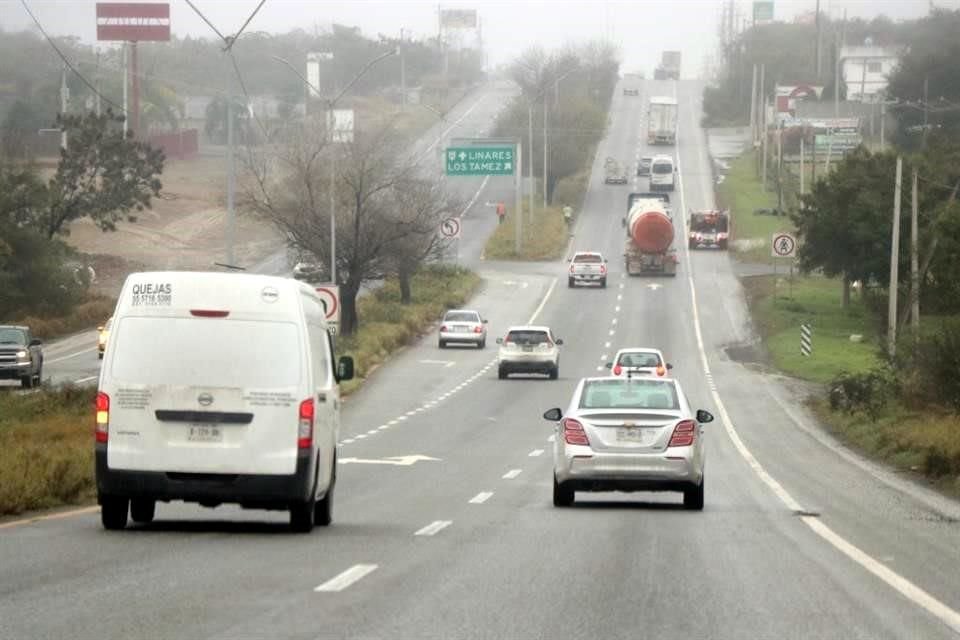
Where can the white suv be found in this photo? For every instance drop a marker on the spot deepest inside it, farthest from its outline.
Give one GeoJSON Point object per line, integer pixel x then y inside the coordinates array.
{"type": "Point", "coordinates": [587, 266]}
{"type": "Point", "coordinates": [530, 349]}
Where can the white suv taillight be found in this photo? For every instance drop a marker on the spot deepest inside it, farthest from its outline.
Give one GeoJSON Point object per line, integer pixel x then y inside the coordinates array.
{"type": "Point", "coordinates": [101, 432]}
{"type": "Point", "coordinates": [573, 432]}
{"type": "Point", "coordinates": [305, 429]}
{"type": "Point", "coordinates": [683, 434]}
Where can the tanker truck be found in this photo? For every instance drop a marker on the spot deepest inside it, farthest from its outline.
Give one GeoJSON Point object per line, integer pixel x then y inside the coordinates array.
{"type": "Point", "coordinates": [649, 225]}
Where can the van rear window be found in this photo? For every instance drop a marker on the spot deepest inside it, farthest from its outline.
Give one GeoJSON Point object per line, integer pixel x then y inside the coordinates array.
{"type": "Point", "coordinates": [204, 352]}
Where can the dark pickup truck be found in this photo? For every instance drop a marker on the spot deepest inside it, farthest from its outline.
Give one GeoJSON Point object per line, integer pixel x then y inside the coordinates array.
{"type": "Point", "coordinates": [20, 356]}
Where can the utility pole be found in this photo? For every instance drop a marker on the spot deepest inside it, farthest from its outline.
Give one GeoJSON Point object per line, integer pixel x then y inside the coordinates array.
{"type": "Point", "coordinates": [135, 90]}
{"type": "Point", "coordinates": [544, 150]}
{"type": "Point", "coordinates": [518, 215]}
{"type": "Point", "coordinates": [883, 124]}
{"type": "Point", "coordinates": [780, 166]}
{"type": "Point", "coordinates": [97, 97]}
{"type": "Point", "coordinates": [753, 105]}
{"type": "Point", "coordinates": [863, 82]}
{"type": "Point", "coordinates": [894, 265]}
{"type": "Point", "coordinates": [914, 262]}
{"type": "Point", "coordinates": [926, 87]}
{"type": "Point", "coordinates": [331, 131]}
{"type": "Point", "coordinates": [802, 168]}
{"type": "Point", "coordinates": [64, 100]}
{"type": "Point", "coordinates": [762, 98]}
{"type": "Point", "coordinates": [530, 138]}
{"type": "Point", "coordinates": [763, 146]}
{"type": "Point", "coordinates": [836, 80]}
{"type": "Point", "coordinates": [231, 182]}
{"type": "Point", "coordinates": [819, 40]}
{"type": "Point", "coordinates": [403, 75]}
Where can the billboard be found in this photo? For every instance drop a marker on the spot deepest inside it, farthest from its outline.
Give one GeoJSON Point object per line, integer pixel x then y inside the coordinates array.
{"type": "Point", "coordinates": [458, 18]}
{"type": "Point", "coordinates": [133, 21]}
{"type": "Point", "coordinates": [340, 121]}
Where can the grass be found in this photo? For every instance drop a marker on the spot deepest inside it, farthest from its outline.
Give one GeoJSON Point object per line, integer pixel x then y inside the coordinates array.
{"type": "Point", "coordinates": [923, 441]}
{"type": "Point", "coordinates": [91, 313]}
{"type": "Point", "coordinates": [46, 449]}
{"type": "Point", "coordinates": [742, 193]}
{"type": "Point", "coordinates": [816, 301]}
{"type": "Point", "coordinates": [386, 325]}
{"type": "Point", "coordinates": [544, 239]}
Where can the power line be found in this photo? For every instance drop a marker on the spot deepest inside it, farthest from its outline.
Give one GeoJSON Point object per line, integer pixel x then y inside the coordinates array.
{"type": "Point", "coordinates": [67, 62]}
{"type": "Point", "coordinates": [240, 32]}
{"type": "Point", "coordinates": [204, 18]}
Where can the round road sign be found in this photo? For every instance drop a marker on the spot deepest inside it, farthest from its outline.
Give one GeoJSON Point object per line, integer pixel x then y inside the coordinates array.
{"type": "Point", "coordinates": [784, 245]}
{"type": "Point", "coordinates": [450, 228]}
{"type": "Point", "coordinates": [330, 298]}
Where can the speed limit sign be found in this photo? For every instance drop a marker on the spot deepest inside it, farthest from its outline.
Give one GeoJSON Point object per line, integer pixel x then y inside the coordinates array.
{"type": "Point", "coordinates": [330, 299]}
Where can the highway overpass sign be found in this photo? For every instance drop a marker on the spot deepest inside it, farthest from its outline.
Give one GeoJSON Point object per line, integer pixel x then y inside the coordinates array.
{"type": "Point", "coordinates": [481, 160]}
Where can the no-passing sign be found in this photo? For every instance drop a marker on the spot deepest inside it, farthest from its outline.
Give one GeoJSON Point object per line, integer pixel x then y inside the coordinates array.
{"type": "Point", "coordinates": [784, 245]}
{"type": "Point", "coordinates": [450, 228]}
{"type": "Point", "coordinates": [330, 299]}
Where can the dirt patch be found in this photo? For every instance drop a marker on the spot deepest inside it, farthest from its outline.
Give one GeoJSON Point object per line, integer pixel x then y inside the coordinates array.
{"type": "Point", "coordinates": [747, 353]}
{"type": "Point", "coordinates": [185, 229]}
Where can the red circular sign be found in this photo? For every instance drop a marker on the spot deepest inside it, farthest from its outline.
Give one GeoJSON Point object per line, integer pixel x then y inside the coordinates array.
{"type": "Point", "coordinates": [330, 301]}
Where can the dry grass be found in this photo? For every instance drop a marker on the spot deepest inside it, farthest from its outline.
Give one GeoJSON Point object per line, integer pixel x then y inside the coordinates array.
{"type": "Point", "coordinates": [84, 316]}
{"type": "Point", "coordinates": [545, 239]}
{"type": "Point", "coordinates": [46, 449]}
{"type": "Point", "coordinates": [386, 325]}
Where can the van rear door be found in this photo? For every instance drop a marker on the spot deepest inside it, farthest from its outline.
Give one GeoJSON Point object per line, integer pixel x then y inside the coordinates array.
{"type": "Point", "coordinates": [205, 394]}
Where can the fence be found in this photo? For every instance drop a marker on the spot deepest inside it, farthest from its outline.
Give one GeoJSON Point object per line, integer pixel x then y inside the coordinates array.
{"type": "Point", "coordinates": [182, 144]}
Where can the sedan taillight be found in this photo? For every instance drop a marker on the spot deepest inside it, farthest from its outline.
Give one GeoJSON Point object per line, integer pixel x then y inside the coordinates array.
{"type": "Point", "coordinates": [478, 329]}
{"type": "Point", "coordinates": [573, 432]}
{"type": "Point", "coordinates": [684, 434]}
{"type": "Point", "coordinates": [443, 328]}
{"type": "Point", "coordinates": [617, 370]}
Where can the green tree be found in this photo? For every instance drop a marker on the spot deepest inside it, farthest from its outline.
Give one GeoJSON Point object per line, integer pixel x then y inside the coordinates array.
{"type": "Point", "coordinates": [844, 225]}
{"type": "Point", "coordinates": [103, 175]}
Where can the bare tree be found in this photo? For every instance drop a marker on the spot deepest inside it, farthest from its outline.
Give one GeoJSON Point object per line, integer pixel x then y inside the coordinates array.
{"type": "Point", "coordinates": [386, 216]}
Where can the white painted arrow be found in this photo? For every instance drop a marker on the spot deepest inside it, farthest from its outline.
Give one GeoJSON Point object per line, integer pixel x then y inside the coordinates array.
{"type": "Point", "coordinates": [654, 286]}
{"type": "Point", "coordinates": [398, 461]}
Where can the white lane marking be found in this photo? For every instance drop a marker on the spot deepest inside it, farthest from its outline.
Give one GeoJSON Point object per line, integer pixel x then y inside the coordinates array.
{"type": "Point", "coordinates": [481, 497]}
{"type": "Point", "coordinates": [599, 368]}
{"type": "Point", "coordinates": [401, 418]}
{"type": "Point", "coordinates": [349, 441]}
{"type": "Point", "coordinates": [473, 200]}
{"type": "Point", "coordinates": [622, 285]}
{"type": "Point", "coordinates": [410, 413]}
{"type": "Point", "coordinates": [536, 453]}
{"type": "Point", "coordinates": [543, 302]}
{"type": "Point", "coordinates": [454, 125]}
{"type": "Point", "coordinates": [614, 321]}
{"type": "Point", "coordinates": [347, 578]}
{"type": "Point", "coordinates": [606, 345]}
{"type": "Point", "coordinates": [552, 438]}
{"type": "Point", "coordinates": [612, 332]}
{"type": "Point", "coordinates": [434, 527]}
{"type": "Point", "coordinates": [392, 422]}
{"type": "Point", "coordinates": [87, 379]}
{"type": "Point", "coordinates": [371, 432]}
{"type": "Point", "coordinates": [513, 473]}
{"type": "Point", "coordinates": [72, 355]}
{"type": "Point", "coordinates": [907, 589]}
{"type": "Point", "coordinates": [619, 297]}
{"type": "Point", "coordinates": [360, 436]}
{"type": "Point", "coordinates": [603, 358]}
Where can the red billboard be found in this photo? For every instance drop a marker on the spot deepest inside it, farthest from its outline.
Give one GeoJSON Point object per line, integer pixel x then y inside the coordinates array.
{"type": "Point", "coordinates": [133, 21]}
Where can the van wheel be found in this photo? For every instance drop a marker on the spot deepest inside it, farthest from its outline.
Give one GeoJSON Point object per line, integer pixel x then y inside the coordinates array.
{"type": "Point", "coordinates": [502, 373]}
{"type": "Point", "coordinates": [100, 356]}
{"type": "Point", "coordinates": [443, 344]}
{"type": "Point", "coordinates": [482, 344]}
{"type": "Point", "coordinates": [113, 512]}
{"type": "Point", "coordinates": [555, 373]}
{"type": "Point", "coordinates": [142, 510]}
{"type": "Point", "coordinates": [26, 381]}
{"type": "Point", "coordinates": [323, 509]}
{"type": "Point", "coordinates": [301, 515]}
{"type": "Point", "coordinates": [562, 496]}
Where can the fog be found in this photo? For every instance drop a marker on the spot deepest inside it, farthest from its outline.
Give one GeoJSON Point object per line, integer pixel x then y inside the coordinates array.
{"type": "Point", "coordinates": [640, 28]}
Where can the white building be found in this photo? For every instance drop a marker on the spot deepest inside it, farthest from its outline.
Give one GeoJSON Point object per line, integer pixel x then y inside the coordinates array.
{"type": "Point", "coordinates": [865, 70]}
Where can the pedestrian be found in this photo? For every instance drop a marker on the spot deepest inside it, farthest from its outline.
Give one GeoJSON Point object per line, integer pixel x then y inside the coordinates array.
{"type": "Point", "coordinates": [501, 212]}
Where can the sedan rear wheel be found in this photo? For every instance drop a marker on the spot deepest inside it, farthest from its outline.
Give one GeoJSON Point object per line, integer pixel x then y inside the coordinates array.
{"type": "Point", "coordinates": [693, 498]}
{"type": "Point", "coordinates": [562, 496]}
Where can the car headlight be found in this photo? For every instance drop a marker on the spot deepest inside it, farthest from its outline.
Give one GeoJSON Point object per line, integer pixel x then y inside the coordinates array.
{"type": "Point", "coordinates": [23, 355]}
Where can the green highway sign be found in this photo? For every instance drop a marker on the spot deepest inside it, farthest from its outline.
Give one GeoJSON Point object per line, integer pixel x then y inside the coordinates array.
{"type": "Point", "coordinates": [480, 161]}
{"type": "Point", "coordinates": [762, 11]}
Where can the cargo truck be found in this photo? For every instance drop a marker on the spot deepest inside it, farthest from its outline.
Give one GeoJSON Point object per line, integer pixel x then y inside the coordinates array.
{"type": "Point", "coordinates": [669, 67]}
{"type": "Point", "coordinates": [662, 120]}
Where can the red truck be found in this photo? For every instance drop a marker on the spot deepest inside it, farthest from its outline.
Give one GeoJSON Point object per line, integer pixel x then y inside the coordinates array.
{"type": "Point", "coordinates": [709, 228]}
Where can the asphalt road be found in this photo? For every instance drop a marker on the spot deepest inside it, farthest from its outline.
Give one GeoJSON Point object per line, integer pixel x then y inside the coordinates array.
{"type": "Point", "coordinates": [444, 526]}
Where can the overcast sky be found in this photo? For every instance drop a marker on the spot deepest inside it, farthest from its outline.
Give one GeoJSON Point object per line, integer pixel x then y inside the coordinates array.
{"type": "Point", "coordinates": [641, 28]}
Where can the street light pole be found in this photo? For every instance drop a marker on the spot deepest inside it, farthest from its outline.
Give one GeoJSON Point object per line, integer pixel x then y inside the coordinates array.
{"type": "Point", "coordinates": [530, 138]}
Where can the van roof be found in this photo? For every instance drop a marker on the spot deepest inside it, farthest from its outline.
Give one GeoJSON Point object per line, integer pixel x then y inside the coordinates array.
{"type": "Point", "coordinates": [177, 293]}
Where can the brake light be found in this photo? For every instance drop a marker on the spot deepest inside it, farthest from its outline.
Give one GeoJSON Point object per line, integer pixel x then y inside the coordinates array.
{"type": "Point", "coordinates": [101, 432]}
{"type": "Point", "coordinates": [603, 269]}
{"type": "Point", "coordinates": [573, 432]}
{"type": "Point", "coordinates": [208, 313]}
{"type": "Point", "coordinates": [305, 429]}
{"type": "Point", "coordinates": [683, 434]}
{"type": "Point", "coordinates": [443, 328]}
{"type": "Point", "coordinates": [478, 329]}
{"type": "Point", "coordinates": [617, 370]}
{"type": "Point", "coordinates": [660, 370]}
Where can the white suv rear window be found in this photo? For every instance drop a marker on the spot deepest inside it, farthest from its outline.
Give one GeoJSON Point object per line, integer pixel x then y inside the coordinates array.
{"type": "Point", "coordinates": [206, 352]}
{"type": "Point", "coordinates": [527, 337]}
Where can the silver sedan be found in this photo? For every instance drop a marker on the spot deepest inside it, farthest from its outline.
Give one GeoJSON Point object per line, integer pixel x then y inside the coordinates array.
{"type": "Point", "coordinates": [628, 434]}
{"type": "Point", "coordinates": [463, 325]}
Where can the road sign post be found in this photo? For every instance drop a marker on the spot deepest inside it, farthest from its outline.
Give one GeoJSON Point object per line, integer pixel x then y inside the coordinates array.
{"type": "Point", "coordinates": [783, 245]}
{"type": "Point", "coordinates": [330, 299]}
{"type": "Point", "coordinates": [452, 228]}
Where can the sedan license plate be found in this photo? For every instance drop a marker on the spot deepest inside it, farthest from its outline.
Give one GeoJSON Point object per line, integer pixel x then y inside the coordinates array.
{"type": "Point", "coordinates": [461, 329]}
{"type": "Point", "coordinates": [630, 434]}
{"type": "Point", "coordinates": [528, 347]}
{"type": "Point", "coordinates": [205, 433]}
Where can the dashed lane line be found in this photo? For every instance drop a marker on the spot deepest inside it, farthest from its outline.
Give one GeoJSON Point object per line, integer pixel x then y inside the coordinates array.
{"type": "Point", "coordinates": [434, 528]}
{"type": "Point", "coordinates": [513, 473]}
{"type": "Point", "coordinates": [350, 576]}
{"type": "Point", "coordinates": [481, 497]}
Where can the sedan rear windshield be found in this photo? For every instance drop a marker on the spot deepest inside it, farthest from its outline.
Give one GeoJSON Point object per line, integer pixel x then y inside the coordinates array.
{"type": "Point", "coordinates": [9, 335]}
{"type": "Point", "coordinates": [646, 359]}
{"type": "Point", "coordinates": [205, 352]}
{"type": "Point", "coordinates": [629, 394]}
{"type": "Point", "coordinates": [461, 316]}
{"type": "Point", "coordinates": [527, 337]}
{"type": "Point", "coordinates": [663, 167]}
{"type": "Point", "coordinates": [588, 257]}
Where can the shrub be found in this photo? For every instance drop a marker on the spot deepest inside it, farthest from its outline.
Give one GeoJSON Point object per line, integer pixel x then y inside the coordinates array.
{"type": "Point", "coordinates": [868, 392]}
{"type": "Point", "coordinates": [938, 362]}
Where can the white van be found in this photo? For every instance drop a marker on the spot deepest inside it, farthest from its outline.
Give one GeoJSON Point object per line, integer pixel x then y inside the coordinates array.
{"type": "Point", "coordinates": [663, 174]}
{"type": "Point", "coordinates": [218, 388]}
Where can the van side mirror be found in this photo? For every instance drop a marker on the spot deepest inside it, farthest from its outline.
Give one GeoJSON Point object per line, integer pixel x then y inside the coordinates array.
{"type": "Point", "coordinates": [609, 365]}
{"type": "Point", "coordinates": [669, 366]}
{"type": "Point", "coordinates": [485, 321]}
{"type": "Point", "coordinates": [100, 328]}
{"type": "Point", "coordinates": [36, 342]}
{"type": "Point", "coordinates": [559, 342]}
{"type": "Point", "coordinates": [499, 340]}
{"type": "Point", "coordinates": [553, 415]}
{"type": "Point", "coordinates": [704, 416]}
{"type": "Point", "coordinates": [344, 369]}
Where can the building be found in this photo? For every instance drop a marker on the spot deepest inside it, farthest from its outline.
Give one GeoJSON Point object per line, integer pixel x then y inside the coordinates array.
{"type": "Point", "coordinates": [865, 70]}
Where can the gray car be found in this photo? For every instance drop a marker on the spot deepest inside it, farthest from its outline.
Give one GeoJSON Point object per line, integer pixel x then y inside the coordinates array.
{"type": "Point", "coordinates": [21, 356]}
{"type": "Point", "coordinates": [628, 434]}
{"type": "Point", "coordinates": [463, 326]}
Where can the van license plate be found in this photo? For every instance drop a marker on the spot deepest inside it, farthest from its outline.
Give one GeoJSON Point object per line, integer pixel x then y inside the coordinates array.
{"type": "Point", "coordinates": [205, 434]}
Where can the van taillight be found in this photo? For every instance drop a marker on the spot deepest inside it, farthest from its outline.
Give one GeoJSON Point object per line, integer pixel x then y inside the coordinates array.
{"type": "Point", "coordinates": [573, 432]}
{"type": "Point", "coordinates": [305, 430]}
{"type": "Point", "coordinates": [683, 434]}
{"type": "Point", "coordinates": [103, 417]}
{"type": "Point", "coordinates": [208, 313]}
